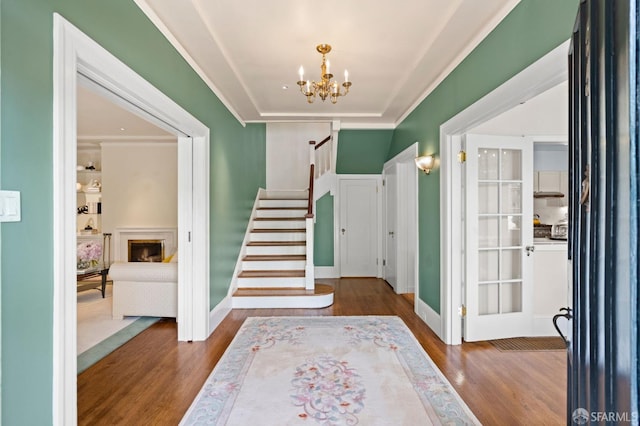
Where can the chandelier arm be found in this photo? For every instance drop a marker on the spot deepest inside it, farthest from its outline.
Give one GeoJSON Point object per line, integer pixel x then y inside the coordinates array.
{"type": "Point", "coordinates": [325, 87]}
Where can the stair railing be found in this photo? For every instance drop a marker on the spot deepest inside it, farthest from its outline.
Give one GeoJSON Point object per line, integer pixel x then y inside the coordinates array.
{"type": "Point", "coordinates": [323, 156]}
{"type": "Point", "coordinates": [309, 270]}
{"type": "Point", "coordinates": [320, 163]}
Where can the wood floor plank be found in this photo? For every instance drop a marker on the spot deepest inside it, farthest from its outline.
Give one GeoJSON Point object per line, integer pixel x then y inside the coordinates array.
{"type": "Point", "coordinates": [153, 379]}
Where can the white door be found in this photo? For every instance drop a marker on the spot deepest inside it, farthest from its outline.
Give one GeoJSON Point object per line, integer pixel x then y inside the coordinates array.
{"type": "Point", "coordinates": [499, 237]}
{"type": "Point", "coordinates": [391, 225]}
{"type": "Point", "coordinates": [359, 227]}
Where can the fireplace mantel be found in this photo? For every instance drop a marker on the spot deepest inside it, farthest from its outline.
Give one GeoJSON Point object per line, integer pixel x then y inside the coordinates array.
{"type": "Point", "coordinates": [123, 235]}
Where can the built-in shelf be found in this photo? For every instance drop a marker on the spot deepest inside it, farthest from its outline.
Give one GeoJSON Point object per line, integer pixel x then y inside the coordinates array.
{"type": "Point", "coordinates": [92, 199]}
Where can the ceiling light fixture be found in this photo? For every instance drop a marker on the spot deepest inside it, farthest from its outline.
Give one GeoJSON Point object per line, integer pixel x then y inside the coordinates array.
{"type": "Point", "coordinates": [325, 87]}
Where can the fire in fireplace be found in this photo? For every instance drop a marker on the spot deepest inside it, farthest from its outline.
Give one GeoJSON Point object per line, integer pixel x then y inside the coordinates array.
{"type": "Point", "coordinates": [146, 250]}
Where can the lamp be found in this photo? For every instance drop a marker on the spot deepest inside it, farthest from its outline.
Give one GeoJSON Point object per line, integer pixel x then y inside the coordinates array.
{"type": "Point", "coordinates": [425, 163]}
{"type": "Point", "coordinates": [325, 87]}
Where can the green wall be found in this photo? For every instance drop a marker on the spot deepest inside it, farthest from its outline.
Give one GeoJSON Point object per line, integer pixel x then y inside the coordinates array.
{"type": "Point", "coordinates": [362, 151]}
{"type": "Point", "coordinates": [532, 29]}
{"type": "Point", "coordinates": [26, 48]}
{"type": "Point", "coordinates": [323, 232]}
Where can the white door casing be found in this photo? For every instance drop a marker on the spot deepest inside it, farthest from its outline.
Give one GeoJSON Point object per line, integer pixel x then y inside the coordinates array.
{"type": "Point", "coordinates": [359, 226]}
{"type": "Point", "coordinates": [499, 237]}
{"type": "Point", "coordinates": [76, 54]}
{"type": "Point", "coordinates": [390, 206]}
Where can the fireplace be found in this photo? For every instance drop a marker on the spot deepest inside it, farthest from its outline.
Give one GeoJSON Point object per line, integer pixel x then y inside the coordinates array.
{"type": "Point", "coordinates": [145, 251]}
{"type": "Point", "coordinates": [144, 244]}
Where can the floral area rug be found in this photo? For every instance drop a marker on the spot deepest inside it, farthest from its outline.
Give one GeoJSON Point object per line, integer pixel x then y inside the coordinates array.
{"type": "Point", "coordinates": [367, 370]}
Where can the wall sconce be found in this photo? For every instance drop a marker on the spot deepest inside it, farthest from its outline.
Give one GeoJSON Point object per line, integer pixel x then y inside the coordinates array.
{"type": "Point", "coordinates": [425, 163]}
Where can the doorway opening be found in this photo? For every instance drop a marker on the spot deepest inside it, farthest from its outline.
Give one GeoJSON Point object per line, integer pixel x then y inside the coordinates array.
{"type": "Point", "coordinates": [542, 75]}
{"type": "Point", "coordinates": [76, 55]}
{"type": "Point", "coordinates": [400, 221]}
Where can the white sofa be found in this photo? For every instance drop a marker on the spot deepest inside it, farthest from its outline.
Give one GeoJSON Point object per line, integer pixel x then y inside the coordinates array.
{"type": "Point", "coordinates": [144, 289]}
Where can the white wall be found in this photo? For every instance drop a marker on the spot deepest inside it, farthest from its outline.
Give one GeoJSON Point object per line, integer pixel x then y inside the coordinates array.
{"type": "Point", "coordinates": [550, 156]}
{"type": "Point", "coordinates": [545, 114]}
{"type": "Point", "coordinates": [139, 185]}
{"type": "Point", "coordinates": [288, 153]}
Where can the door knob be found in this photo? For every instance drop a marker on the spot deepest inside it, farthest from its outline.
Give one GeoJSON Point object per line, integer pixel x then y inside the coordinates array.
{"type": "Point", "coordinates": [342, 231]}
{"type": "Point", "coordinates": [391, 233]}
{"type": "Point", "coordinates": [530, 249]}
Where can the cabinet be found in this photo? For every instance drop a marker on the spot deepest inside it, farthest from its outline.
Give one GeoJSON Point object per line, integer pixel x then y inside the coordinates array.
{"type": "Point", "coordinates": [550, 183]}
{"type": "Point", "coordinates": [551, 289]}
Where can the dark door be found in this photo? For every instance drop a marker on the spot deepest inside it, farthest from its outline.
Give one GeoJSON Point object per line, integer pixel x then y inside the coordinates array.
{"type": "Point", "coordinates": [603, 200]}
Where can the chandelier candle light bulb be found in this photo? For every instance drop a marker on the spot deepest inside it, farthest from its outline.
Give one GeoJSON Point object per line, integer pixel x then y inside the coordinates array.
{"type": "Point", "coordinates": [325, 88]}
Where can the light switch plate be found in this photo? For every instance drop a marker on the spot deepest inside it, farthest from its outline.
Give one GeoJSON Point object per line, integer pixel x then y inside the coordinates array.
{"type": "Point", "coordinates": [9, 206]}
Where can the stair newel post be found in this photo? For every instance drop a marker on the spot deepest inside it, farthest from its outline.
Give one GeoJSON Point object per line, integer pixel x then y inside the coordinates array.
{"type": "Point", "coordinates": [309, 266]}
{"type": "Point", "coordinates": [312, 153]}
{"type": "Point", "coordinates": [309, 272]}
{"type": "Point", "coordinates": [333, 155]}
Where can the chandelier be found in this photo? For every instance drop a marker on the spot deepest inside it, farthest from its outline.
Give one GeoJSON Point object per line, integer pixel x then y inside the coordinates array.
{"type": "Point", "coordinates": [325, 88]}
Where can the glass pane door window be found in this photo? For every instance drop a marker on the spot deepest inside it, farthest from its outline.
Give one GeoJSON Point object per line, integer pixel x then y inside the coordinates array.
{"type": "Point", "coordinates": [500, 194]}
{"type": "Point", "coordinates": [499, 226]}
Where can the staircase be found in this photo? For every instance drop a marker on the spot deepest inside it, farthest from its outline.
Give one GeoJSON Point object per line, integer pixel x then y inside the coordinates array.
{"type": "Point", "coordinates": [273, 267]}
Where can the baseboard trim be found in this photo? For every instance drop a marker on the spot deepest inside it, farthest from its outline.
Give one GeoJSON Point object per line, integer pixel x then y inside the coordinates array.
{"type": "Point", "coordinates": [430, 317]}
{"type": "Point", "coordinates": [326, 272]}
{"type": "Point", "coordinates": [218, 313]}
{"type": "Point", "coordinates": [243, 248]}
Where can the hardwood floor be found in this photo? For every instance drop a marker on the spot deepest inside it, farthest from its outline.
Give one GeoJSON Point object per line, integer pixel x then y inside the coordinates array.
{"type": "Point", "coordinates": [152, 379]}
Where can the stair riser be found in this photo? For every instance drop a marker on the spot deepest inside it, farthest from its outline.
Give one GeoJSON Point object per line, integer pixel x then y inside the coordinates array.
{"type": "Point", "coordinates": [303, 195]}
{"type": "Point", "coordinates": [299, 213]}
{"type": "Point", "coordinates": [277, 236]}
{"type": "Point", "coordinates": [276, 250]}
{"type": "Point", "coordinates": [278, 224]}
{"type": "Point", "coordinates": [283, 203]}
{"type": "Point", "coordinates": [308, 302]}
{"type": "Point", "coordinates": [280, 282]}
{"type": "Point", "coordinates": [273, 265]}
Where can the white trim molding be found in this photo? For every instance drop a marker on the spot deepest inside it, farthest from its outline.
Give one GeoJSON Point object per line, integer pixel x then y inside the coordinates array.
{"type": "Point", "coordinates": [429, 316]}
{"type": "Point", "coordinates": [74, 54]}
{"type": "Point", "coordinates": [247, 237]}
{"type": "Point", "coordinates": [218, 314]}
{"type": "Point", "coordinates": [327, 272]}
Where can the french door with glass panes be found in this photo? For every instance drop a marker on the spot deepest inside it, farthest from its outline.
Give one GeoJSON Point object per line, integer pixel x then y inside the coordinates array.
{"type": "Point", "coordinates": [499, 237]}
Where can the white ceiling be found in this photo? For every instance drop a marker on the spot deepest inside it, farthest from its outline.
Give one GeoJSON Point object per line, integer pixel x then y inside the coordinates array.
{"type": "Point", "coordinates": [100, 119]}
{"type": "Point", "coordinates": [396, 51]}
